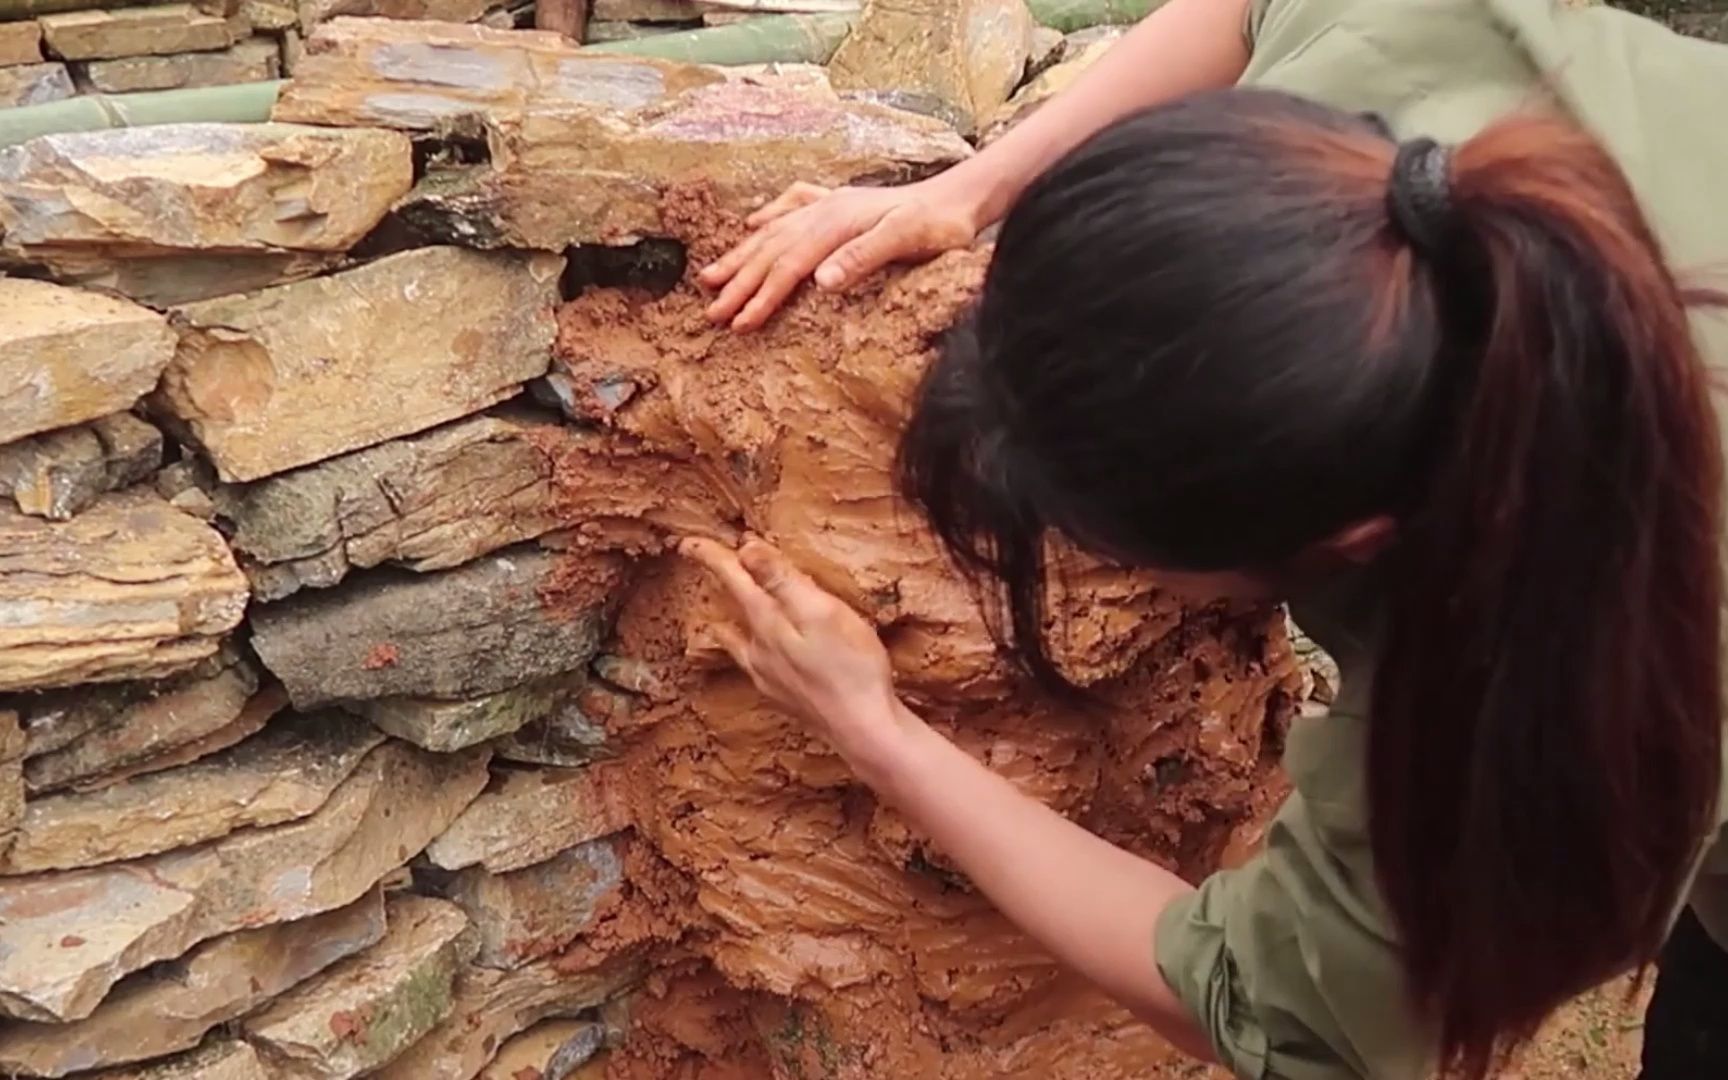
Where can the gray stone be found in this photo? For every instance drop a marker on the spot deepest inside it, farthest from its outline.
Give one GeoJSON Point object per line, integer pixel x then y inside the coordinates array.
{"type": "Point", "coordinates": [172, 1006]}
{"type": "Point", "coordinates": [479, 629]}
{"type": "Point", "coordinates": [11, 776]}
{"type": "Point", "coordinates": [66, 938]}
{"type": "Point", "coordinates": [282, 774]}
{"type": "Point", "coordinates": [368, 1009]}
{"type": "Point", "coordinates": [530, 815]}
{"type": "Point", "coordinates": [551, 1050]}
{"type": "Point", "coordinates": [130, 588]}
{"type": "Point", "coordinates": [453, 725]}
{"type": "Point", "coordinates": [34, 84]}
{"type": "Point", "coordinates": [538, 911]}
{"type": "Point", "coordinates": [491, 1006]}
{"type": "Point", "coordinates": [273, 16]}
{"type": "Point", "coordinates": [67, 356]}
{"type": "Point", "coordinates": [429, 502]}
{"type": "Point", "coordinates": [566, 734]}
{"type": "Point", "coordinates": [58, 473]}
{"type": "Point", "coordinates": [256, 59]}
{"type": "Point", "coordinates": [268, 381]}
{"type": "Point", "coordinates": [80, 735]}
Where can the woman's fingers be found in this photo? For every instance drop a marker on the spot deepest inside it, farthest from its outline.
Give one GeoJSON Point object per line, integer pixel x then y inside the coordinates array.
{"type": "Point", "coordinates": [862, 256]}
{"type": "Point", "coordinates": [796, 197]}
{"type": "Point", "coordinates": [760, 610]}
{"type": "Point", "coordinates": [798, 596]}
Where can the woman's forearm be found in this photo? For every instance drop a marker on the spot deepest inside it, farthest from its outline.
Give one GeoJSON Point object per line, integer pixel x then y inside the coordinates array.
{"type": "Point", "coordinates": [1184, 46]}
{"type": "Point", "coordinates": [1093, 905]}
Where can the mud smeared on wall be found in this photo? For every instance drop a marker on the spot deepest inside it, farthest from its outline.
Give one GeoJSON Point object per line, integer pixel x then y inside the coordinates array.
{"type": "Point", "coordinates": [817, 935]}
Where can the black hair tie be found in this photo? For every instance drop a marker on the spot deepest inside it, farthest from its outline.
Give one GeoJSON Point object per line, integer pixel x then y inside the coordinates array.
{"type": "Point", "coordinates": [1420, 196]}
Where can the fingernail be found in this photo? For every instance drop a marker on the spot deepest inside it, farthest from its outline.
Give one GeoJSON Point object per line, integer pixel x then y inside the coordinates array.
{"type": "Point", "coordinates": [828, 276]}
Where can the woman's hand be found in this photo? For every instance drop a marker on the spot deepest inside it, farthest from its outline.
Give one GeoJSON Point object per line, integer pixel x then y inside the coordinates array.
{"type": "Point", "coordinates": [805, 650]}
{"type": "Point", "coordinates": [841, 236]}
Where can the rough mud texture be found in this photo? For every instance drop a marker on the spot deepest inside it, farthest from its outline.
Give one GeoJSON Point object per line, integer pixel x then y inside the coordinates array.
{"type": "Point", "coordinates": [839, 945]}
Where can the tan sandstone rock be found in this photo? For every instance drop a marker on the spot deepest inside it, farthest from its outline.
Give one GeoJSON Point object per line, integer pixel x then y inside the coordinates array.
{"type": "Point", "coordinates": [313, 12]}
{"type": "Point", "coordinates": [273, 16]}
{"type": "Point", "coordinates": [267, 381]}
{"type": "Point", "coordinates": [170, 1008]}
{"type": "Point", "coordinates": [67, 356]}
{"type": "Point", "coordinates": [20, 43]}
{"type": "Point", "coordinates": [66, 938]}
{"type": "Point", "coordinates": [58, 473]}
{"type": "Point", "coordinates": [418, 75]}
{"type": "Point", "coordinates": [429, 502]}
{"type": "Point", "coordinates": [284, 773]}
{"type": "Point", "coordinates": [256, 59]}
{"type": "Point", "coordinates": [479, 629]}
{"type": "Point", "coordinates": [532, 815]}
{"type": "Point", "coordinates": [368, 1009]}
{"type": "Point", "coordinates": [220, 1060]}
{"type": "Point", "coordinates": [563, 174]}
{"type": "Point", "coordinates": [131, 588]}
{"type": "Point", "coordinates": [491, 1006]}
{"type": "Point", "coordinates": [1076, 59]}
{"type": "Point", "coordinates": [536, 912]}
{"type": "Point", "coordinates": [161, 189]}
{"type": "Point", "coordinates": [139, 31]}
{"type": "Point", "coordinates": [87, 736]}
{"type": "Point", "coordinates": [34, 84]}
{"type": "Point", "coordinates": [965, 54]}
{"type": "Point", "coordinates": [12, 743]}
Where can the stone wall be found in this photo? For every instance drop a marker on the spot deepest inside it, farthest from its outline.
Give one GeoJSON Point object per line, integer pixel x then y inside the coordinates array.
{"type": "Point", "coordinates": [354, 718]}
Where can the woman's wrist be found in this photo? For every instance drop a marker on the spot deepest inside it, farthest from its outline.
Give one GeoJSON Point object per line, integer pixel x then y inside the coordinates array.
{"type": "Point", "coordinates": [888, 742]}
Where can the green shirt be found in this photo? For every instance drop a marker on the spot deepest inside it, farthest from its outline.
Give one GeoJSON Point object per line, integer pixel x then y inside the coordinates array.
{"type": "Point", "coordinates": [1289, 962]}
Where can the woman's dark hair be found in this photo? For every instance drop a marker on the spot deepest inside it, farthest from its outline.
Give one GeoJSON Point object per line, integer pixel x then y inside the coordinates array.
{"type": "Point", "coordinates": [1208, 341]}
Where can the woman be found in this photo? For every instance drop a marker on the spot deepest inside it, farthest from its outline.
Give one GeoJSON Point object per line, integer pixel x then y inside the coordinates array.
{"type": "Point", "coordinates": [1450, 402]}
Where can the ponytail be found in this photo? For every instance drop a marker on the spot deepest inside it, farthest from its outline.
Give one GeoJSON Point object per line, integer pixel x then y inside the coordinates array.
{"type": "Point", "coordinates": [1214, 337]}
{"type": "Point", "coordinates": [1544, 757]}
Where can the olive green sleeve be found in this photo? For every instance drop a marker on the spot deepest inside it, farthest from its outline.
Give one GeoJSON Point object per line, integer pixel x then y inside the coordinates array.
{"type": "Point", "coordinates": [1287, 962]}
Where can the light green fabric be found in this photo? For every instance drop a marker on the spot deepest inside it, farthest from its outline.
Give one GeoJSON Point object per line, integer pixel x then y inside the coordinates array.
{"type": "Point", "coordinates": [1288, 962]}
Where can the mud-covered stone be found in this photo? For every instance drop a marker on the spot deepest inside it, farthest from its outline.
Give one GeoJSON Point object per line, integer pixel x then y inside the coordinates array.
{"type": "Point", "coordinates": [87, 736]}
{"type": "Point", "coordinates": [130, 588]}
{"type": "Point", "coordinates": [535, 912]}
{"type": "Point", "coordinates": [967, 54]}
{"type": "Point", "coordinates": [222, 1059]}
{"type": "Point", "coordinates": [421, 75]}
{"type": "Point", "coordinates": [366, 1010]}
{"type": "Point", "coordinates": [58, 473]}
{"type": "Point", "coordinates": [66, 938]}
{"type": "Point", "coordinates": [172, 1006]}
{"type": "Point", "coordinates": [530, 815]}
{"type": "Point", "coordinates": [20, 43]}
{"type": "Point", "coordinates": [256, 59]}
{"type": "Point", "coordinates": [479, 629]}
{"type": "Point", "coordinates": [267, 381]}
{"type": "Point", "coordinates": [137, 31]}
{"type": "Point", "coordinates": [34, 84]}
{"type": "Point", "coordinates": [67, 356]}
{"type": "Point", "coordinates": [429, 502]}
{"type": "Point", "coordinates": [491, 1006]}
{"type": "Point", "coordinates": [283, 773]}
{"type": "Point", "coordinates": [163, 189]}
{"type": "Point", "coordinates": [550, 1050]}
{"type": "Point", "coordinates": [563, 174]}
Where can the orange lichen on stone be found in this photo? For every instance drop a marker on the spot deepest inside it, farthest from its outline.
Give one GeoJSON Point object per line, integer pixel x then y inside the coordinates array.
{"type": "Point", "coordinates": [818, 935]}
